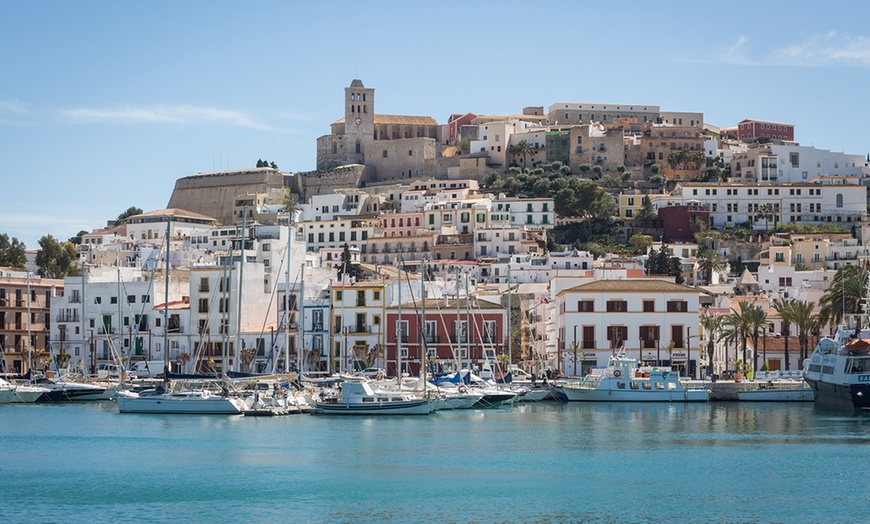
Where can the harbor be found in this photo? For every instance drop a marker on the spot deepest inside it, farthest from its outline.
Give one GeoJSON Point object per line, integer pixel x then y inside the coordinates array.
{"type": "Point", "coordinates": [537, 462]}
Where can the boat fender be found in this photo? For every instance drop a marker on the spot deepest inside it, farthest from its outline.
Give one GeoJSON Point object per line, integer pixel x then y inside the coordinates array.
{"type": "Point", "coordinates": [311, 390]}
{"type": "Point", "coordinates": [462, 389]}
{"type": "Point", "coordinates": [617, 373]}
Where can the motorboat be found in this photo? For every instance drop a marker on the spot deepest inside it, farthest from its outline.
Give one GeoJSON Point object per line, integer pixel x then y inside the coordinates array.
{"type": "Point", "coordinates": [63, 389]}
{"type": "Point", "coordinates": [838, 369]}
{"type": "Point", "coordinates": [197, 401]}
{"type": "Point", "coordinates": [355, 396]}
{"type": "Point", "coordinates": [19, 393]}
{"type": "Point", "coordinates": [624, 381]}
{"type": "Point", "coordinates": [271, 397]}
{"type": "Point", "coordinates": [444, 397]}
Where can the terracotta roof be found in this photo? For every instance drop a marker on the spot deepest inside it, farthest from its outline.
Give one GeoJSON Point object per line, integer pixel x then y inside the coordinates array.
{"type": "Point", "coordinates": [404, 120]}
{"type": "Point", "coordinates": [778, 343]}
{"type": "Point", "coordinates": [433, 305]}
{"type": "Point", "coordinates": [631, 286]}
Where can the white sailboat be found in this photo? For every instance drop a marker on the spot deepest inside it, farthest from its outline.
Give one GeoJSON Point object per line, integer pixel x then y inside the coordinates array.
{"type": "Point", "coordinates": [164, 399]}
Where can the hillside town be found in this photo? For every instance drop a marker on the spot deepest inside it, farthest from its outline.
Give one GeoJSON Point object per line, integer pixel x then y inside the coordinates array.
{"type": "Point", "coordinates": [545, 240]}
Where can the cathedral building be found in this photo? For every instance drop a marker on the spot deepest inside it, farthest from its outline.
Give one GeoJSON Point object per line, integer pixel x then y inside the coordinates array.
{"type": "Point", "coordinates": [390, 146]}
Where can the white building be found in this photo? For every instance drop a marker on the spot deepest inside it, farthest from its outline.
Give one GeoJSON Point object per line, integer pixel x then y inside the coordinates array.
{"type": "Point", "coordinates": [643, 316]}
{"type": "Point", "coordinates": [802, 203]}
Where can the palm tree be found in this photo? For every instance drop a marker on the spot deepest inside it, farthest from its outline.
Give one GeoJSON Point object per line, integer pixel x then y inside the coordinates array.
{"type": "Point", "coordinates": [845, 294]}
{"type": "Point", "coordinates": [784, 308]}
{"type": "Point", "coordinates": [764, 212]}
{"type": "Point", "coordinates": [712, 326]}
{"type": "Point", "coordinates": [758, 320]}
{"type": "Point", "coordinates": [804, 319]}
{"type": "Point", "coordinates": [739, 325]}
{"type": "Point", "coordinates": [709, 262]}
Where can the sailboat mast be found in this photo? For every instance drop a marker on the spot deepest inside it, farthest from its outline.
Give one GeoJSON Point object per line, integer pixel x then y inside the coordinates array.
{"type": "Point", "coordinates": [237, 350]}
{"type": "Point", "coordinates": [399, 323]}
{"type": "Point", "coordinates": [287, 307]}
{"type": "Point", "coordinates": [509, 331]}
{"type": "Point", "coordinates": [301, 303]}
{"type": "Point", "coordinates": [458, 332]}
{"type": "Point", "coordinates": [29, 318]}
{"type": "Point", "coordinates": [424, 348]}
{"type": "Point", "coordinates": [166, 304]}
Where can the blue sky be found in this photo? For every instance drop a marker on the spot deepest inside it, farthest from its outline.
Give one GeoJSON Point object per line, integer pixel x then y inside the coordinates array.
{"type": "Point", "coordinates": [103, 105]}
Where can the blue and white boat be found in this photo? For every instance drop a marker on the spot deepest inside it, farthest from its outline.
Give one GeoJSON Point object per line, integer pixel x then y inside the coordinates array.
{"type": "Point", "coordinates": [623, 381]}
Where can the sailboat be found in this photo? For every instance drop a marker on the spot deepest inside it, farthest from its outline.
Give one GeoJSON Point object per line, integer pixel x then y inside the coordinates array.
{"type": "Point", "coordinates": [163, 399]}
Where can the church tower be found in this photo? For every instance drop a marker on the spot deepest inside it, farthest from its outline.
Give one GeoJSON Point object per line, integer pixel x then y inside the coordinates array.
{"type": "Point", "coordinates": [359, 120]}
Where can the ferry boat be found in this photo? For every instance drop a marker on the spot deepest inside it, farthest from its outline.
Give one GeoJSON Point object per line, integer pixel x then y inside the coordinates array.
{"type": "Point", "coordinates": [838, 370]}
{"type": "Point", "coordinates": [624, 381]}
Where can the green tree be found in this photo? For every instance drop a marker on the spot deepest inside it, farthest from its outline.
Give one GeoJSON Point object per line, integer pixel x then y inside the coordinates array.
{"type": "Point", "coordinates": [708, 263]}
{"type": "Point", "coordinates": [765, 212]}
{"type": "Point", "coordinates": [805, 321]}
{"type": "Point", "coordinates": [77, 239]}
{"type": "Point", "coordinates": [713, 326]}
{"type": "Point", "coordinates": [131, 211]}
{"type": "Point", "coordinates": [640, 243]}
{"type": "Point", "coordinates": [347, 266]}
{"type": "Point", "coordinates": [522, 149]}
{"type": "Point", "coordinates": [584, 168]}
{"type": "Point", "coordinates": [786, 313]}
{"type": "Point", "coordinates": [662, 263]}
{"type": "Point", "coordinates": [845, 295]}
{"type": "Point", "coordinates": [738, 327]}
{"type": "Point", "coordinates": [55, 260]}
{"type": "Point", "coordinates": [12, 252]}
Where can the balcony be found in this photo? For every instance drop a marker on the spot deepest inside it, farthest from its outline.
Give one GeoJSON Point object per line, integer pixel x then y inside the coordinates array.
{"type": "Point", "coordinates": [359, 329]}
{"type": "Point", "coordinates": [63, 317]}
{"type": "Point", "coordinates": [433, 339]}
{"type": "Point", "coordinates": [106, 331]}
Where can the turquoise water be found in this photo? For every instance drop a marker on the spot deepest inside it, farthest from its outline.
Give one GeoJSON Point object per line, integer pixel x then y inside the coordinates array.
{"type": "Point", "coordinates": [545, 462]}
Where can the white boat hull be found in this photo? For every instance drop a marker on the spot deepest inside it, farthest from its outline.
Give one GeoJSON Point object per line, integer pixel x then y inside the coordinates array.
{"type": "Point", "coordinates": [404, 407]}
{"type": "Point", "coordinates": [179, 403]}
{"type": "Point", "coordinates": [6, 395]}
{"type": "Point", "coordinates": [27, 394]}
{"type": "Point", "coordinates": [777, 395]}
{"type": "Point", "coordinates": [573, 394]}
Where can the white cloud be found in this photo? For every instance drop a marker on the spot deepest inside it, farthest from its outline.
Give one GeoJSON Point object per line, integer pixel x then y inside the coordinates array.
{"type": "Point", "coordinates": [734, 53]}
{"type": "Point", "coordinates": [12, 106]}
{"type": "Point", "coordinates": [183, 115]}
{"type": "Point", "coordinates": [831, 49]}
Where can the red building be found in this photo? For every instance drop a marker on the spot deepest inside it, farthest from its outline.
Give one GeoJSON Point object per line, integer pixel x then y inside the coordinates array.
{"type": "Point", "coordinates": [478, 335]}
{"type": "Point", "coordinates": [677, 222]}
{"type": "Point", "coordinates": [750, 129]}
{"type": "Point", "coordinates": [455, 123]}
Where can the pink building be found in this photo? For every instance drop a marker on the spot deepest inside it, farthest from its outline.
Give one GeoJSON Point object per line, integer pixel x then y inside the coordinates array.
{"type": "Point", "coordinates": [402, 224]}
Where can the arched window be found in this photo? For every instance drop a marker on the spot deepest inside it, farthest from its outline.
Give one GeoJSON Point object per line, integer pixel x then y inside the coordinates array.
{"type": "Point", "coordinates": [358, 147]}
{"type": "Point", "coordinates": [352, 108]}
{"type": "Point", "coordinates": [839, 199]}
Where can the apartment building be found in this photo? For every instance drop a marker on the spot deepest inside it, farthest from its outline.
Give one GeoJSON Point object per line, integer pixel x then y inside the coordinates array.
{"type": "Point", "coordinates": [26, 319]}
{"type": "Point", "coordinates": [802, 203]}
{"type": "Point", "coordinates": [652, 320]}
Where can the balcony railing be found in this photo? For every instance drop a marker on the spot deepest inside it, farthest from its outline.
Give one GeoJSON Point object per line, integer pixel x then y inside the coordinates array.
{"type": "Point", "coordinates": [61, 317]}
{"type": "Point", "coordinates": [433, 339]}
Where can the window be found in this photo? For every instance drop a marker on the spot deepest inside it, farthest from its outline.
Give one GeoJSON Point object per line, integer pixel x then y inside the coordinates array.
{"type": "Point", "coordinates": [649, 336]}
{"type": "Point", "coordinates": [839, 199]}
{"type": "Point", "coordinates": [131, 299]}
{"type": "Point", "coordinates": [617, 306]}
{"type": "Point", "coordinates": [460, 331]}
{"type": "Point", "coordinates": [678, 306]}
{"type": "Point", "coordinates": [586, 306]}
{"type": "Point", "coordinates": [649, 306]}
{"type": "Point", "coordinates": [617, 335]}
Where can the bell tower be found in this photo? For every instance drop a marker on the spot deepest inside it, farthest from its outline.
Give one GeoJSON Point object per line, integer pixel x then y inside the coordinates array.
{"type": "Point", "coordinates": [359, 119]}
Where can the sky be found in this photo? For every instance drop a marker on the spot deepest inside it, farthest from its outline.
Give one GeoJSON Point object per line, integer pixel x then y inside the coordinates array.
{"type": "Point", "coordinates": [104, 105]}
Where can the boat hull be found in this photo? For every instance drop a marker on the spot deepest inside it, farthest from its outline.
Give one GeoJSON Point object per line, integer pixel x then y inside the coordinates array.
{"type": "Point", "coordinates": [494, 400]}
{"type": "Point", "coordinates": [410, 407]}
{"type": "Point", "coordinates": [178, 405]}
{"type": "Point", "coordinates": [27, 394]}
{"type": "Point", "coordinates": [6, 395]}
{"type": "Point", "coordinates": [794, 394]}
{"type": "Point", "coordinates": [610, 395]}
{"type": "Point", "coordinates": [841, 396]}
{"type": "Point", "coordinates": [64, 394]}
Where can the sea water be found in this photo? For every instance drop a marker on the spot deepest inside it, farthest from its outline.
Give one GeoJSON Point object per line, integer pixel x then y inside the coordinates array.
{"type": "Point", "coordinates": [544, 462]}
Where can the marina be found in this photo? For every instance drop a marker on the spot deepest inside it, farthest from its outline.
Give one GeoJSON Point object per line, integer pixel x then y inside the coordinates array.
{"type": "Point", "coordinates": [538, 462]}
